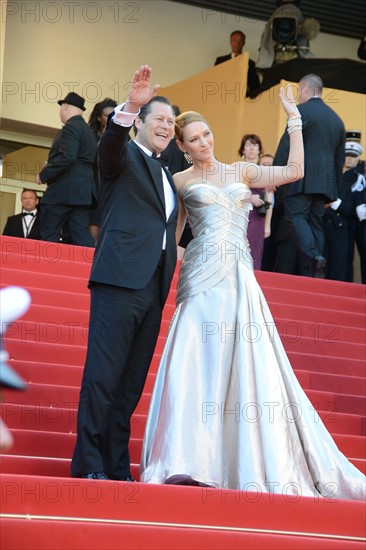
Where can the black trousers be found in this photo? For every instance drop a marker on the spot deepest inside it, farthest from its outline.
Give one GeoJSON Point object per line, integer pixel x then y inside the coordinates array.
{"type": "Point", "coordinates": [124, 327]}
{"type": "Point", "coordinates": [338, 252]}
{"type": "Point", "coordinates": [55, 216]}
{"type": "Point", "coordinates": [305, 214]}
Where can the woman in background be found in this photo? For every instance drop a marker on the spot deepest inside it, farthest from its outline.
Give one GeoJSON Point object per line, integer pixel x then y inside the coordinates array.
{"type": "Point", "coordinates": [97, 122]}
{"type": "Point", "coordinates": [259, 227]}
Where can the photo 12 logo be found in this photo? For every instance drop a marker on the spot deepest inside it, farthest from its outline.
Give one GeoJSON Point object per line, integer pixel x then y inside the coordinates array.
{"type": "Point", "coordinates": [70, 12]}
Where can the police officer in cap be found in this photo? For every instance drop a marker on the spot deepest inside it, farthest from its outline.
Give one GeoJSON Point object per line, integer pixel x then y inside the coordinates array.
{"type": "Point", "coordinates": [355, 135]}
{"type": "Point", "coordinates": [342, 218]}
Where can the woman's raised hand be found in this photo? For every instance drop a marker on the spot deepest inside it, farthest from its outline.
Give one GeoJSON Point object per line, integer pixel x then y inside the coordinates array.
{"type": "Point", "coordinates": [288, 101]}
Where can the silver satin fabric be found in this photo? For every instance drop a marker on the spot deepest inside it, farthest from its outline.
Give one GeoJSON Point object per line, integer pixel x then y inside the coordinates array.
{"type": "Point", "coordinates": [227, 409]}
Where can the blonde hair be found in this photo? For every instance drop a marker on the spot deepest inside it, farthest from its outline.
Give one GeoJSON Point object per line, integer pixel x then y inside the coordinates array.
{"type": "Point", "coordinates": [184, 119]}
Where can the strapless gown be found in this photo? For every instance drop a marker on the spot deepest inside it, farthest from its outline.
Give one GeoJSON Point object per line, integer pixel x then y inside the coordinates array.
{"type": "Point", "coordinates": [227, 409]}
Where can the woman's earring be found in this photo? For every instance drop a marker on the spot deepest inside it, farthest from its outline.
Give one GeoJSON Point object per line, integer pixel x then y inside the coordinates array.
{"type": "Point", "coordinates": [188, 158]}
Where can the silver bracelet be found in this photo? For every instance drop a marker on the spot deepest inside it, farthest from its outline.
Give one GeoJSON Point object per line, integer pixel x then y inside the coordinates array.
{"type": "Point", "coordinates": [294, 121]}
{"type": "Point", "coordinates": [294, 128]}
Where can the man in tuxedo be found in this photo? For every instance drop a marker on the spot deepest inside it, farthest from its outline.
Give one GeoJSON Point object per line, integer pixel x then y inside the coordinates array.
{"type": "Point", "coordinates": [237, 42]}
{"type": "Point", "coordinates": [69, 174]}
{"type": "Point", "coordinates": [27, 223]}
{"type": "Point", "coordinates": [324, 139]}
{"type": "Point", "coordinates": [133, 266]}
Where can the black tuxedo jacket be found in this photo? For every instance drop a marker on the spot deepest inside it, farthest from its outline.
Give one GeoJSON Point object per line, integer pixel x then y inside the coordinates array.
{"type": "Point", "coordinates": [324, 141]}
{"type": "Point", "coordinates": [14, 227]}
{"type": "Point", "coordinates": [69, 172]}
{"type": "Point", "coordinates": [252, 79]}
{"type": "Point", "coordinates": [133, 215]}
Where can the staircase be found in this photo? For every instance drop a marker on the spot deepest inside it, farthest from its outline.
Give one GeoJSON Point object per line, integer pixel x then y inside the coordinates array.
{"type": "Point", "coordinates": [322, 325]}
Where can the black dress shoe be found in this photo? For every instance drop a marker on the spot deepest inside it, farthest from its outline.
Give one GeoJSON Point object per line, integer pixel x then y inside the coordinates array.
{"type": "Point", "coordinates": [318, 267]}
{"type": "Point", "coordinates": [96, 475]}
{"type": "Point", "coordinates": [127, 478]}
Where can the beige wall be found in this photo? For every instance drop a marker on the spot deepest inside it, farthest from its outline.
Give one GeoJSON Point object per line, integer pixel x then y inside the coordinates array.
{"type": "Point", "coordinates": [94, 48]}
{"type": "Point", "coordinates": [24, 164]}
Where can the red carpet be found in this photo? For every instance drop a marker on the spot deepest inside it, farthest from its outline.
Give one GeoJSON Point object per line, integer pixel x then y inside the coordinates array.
{"type": "Point", "coordinates": [323, 327]}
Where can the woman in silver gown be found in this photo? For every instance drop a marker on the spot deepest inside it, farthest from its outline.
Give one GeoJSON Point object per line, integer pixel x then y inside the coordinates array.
{"type": "Point", "coordinates": [227, 409]}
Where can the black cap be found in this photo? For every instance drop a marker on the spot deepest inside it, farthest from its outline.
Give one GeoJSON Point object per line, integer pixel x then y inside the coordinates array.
{"type": "Point", "coordinates": [353, 135]}
{"type": "Point", "coordinates": [74, 99]}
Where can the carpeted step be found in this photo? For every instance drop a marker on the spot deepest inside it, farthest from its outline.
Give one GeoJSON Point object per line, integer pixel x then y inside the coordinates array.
{"type": "Point", "coordinates": [35, 279]}
{"type": "Point", "coordinates": [48, 466]}
{"type": "Point", "coordinates": [68, 375]}
{"type": "Point", "coordinates": [294, 336]}
{"type": "Point", "coordinates": [61, 445]}
{"type": "Point", "coordinates": [48, 373]}
{"type": "Point", "coordinates": [53, 351]}
{"type": "Point", "coordinates": [63, 419]}
{"type": "Point", "coordinates": [74, 355]}
{"type": "Point", "coordinates": [43, 253]}
{"type": "Point", "coordinates": [39, 252]}
{"type": "Point", "coordinates": [320, 322]}
{"type": "Point", "coordinates": [76, 331]}
{"type": "Point", "coordinates": [327, 364]}
{"type": "Point", "coordinates": [325, 317]}
{"type": "Point", "coordinates": [45, 395]}
{"type": "Point", "coordinates": [35, 497]}
{"type": "Point", "coordinates": [60, 467]}
{"type": "Point", "coordinates": [354, 385]}
{"type": "Point", "coordinates": [313, 299]}
{"type": "Point", "coordinates": [121, 534]}
{"type": "Point", "coordinates": [58, 298]}
{"type": "Point", "coordinates": [308, 284]}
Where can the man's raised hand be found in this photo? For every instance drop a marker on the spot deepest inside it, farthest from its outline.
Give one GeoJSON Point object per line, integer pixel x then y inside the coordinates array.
{"type": "Point", "coordinates": [140, 91]}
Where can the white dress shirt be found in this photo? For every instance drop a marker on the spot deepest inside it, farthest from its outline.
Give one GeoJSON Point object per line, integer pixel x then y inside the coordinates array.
{"type": "Point", "coordinates": [127, 119]}
{"type": "Point", "coordinates": [28, 221]}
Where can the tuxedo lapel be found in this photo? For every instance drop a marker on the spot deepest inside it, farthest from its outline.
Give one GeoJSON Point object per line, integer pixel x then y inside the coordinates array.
{"type": "Point", "coordinates": [155, 173]}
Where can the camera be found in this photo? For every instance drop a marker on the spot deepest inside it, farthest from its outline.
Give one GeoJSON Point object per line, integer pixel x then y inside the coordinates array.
{"type": "Point", "coordinates": [262, 210]}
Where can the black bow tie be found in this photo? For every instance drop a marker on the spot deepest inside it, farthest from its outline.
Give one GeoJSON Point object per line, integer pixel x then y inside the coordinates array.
{"type": "Point", "coordinates": [156, 157]}
{"type": "Point", "coordinates": [28, 214]}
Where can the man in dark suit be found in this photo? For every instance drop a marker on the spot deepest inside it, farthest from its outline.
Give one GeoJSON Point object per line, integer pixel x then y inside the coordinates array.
{"type": "Point", "coordinates": [69, 174]}
{"type": "Point", "coordinates": [27, 223]}
{"type": "Point", "coordinates": [133, 266]}
{"type": "Point", "coordinates": [324, 139]}
{"type": "Point", "coordinates": [237, 42]}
